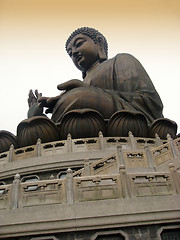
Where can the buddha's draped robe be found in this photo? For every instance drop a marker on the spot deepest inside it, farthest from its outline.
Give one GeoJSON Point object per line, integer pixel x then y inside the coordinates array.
{"type": "Point", "coordinates": [120, 83]}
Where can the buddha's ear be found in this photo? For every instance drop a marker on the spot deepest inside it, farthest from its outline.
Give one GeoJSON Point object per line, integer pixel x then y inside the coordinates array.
{"type": "Point", "coordinates": [102, 52]}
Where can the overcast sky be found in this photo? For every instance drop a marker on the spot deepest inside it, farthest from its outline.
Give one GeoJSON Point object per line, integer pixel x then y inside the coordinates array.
{"type": "Point", "coordinates": [33, 34]}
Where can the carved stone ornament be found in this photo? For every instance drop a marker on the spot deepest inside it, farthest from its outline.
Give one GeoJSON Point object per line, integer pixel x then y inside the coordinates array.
{"type": "Point", "coordinates": [122, 122]}
{"type": "Point", "coordinates": [30, 130]}
{"type": "Point", "coordinates": [6, 140]}
{"type": "Point", "coordinates": [81, 123]}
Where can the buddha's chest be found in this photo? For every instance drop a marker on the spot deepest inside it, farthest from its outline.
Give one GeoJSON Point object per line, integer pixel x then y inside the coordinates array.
{"type": "Point", "coordinates": [101, 76]}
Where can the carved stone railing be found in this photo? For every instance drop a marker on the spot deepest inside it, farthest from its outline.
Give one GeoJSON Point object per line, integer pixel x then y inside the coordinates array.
{"type": "Point", "coordinates": [155, 184]}
{"type": "Point", "coordinates": [177, 143]}
{"type": "Point", "coordinates": [42, 192]}
{"type": "Point", "coordinates": [105, 166]}
{"type": "Point", "coordinates": [5, 196]}
{"type": "Point", "coordinates": [162, 154]}
{"type": "Point", "coordinates": [95, 186]}
{"type": "Point", "coordinates": [21, 194]}
{"type": "Point", "coordinates": [81, 145]}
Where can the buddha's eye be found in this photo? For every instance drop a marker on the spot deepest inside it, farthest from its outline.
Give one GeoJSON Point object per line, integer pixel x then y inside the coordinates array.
{"type": "Point", "coordinates": [70, 53]}
{"type": "Point", "coordinates": [78, 44]}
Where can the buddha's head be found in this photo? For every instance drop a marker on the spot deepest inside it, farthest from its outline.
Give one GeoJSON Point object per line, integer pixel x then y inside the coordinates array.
{"type": "Point", "coordinates": [86, 46]}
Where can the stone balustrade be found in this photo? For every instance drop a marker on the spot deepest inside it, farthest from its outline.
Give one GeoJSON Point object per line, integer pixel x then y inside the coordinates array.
{"type": "Point", "coordinates": [90, 185]}
{"type": "Point", "coordinates": [81, 145]}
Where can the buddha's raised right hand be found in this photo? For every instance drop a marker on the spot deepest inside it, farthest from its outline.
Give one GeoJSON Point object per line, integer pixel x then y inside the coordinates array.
{"type": "Point", "coordinates": [35, 108]}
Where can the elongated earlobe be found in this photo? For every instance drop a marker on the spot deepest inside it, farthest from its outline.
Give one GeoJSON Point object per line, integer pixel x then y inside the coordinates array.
{"type": "Point", "coordinates": [102, 52]}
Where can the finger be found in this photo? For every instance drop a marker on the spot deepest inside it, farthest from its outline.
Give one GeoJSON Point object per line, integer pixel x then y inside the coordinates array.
{"type": "Point", "coordinates": [62, 86]}
{"type": "Point", "coordinates": [31, 93]}
{"type": "Point", "coordinates": [29, 102]}
{"type": "Point", "coordinates": [52, 100]}
{"type": "Point", "coordinates": [38, 94]}
{"type": "Point", "coordinates": [42, 99]}
{"type": "Point", "coordinates": [30, 98]}
{"type": "Point", "coordinates": [70, 84]}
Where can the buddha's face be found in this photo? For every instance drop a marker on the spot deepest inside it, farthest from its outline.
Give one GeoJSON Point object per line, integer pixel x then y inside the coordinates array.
{"type": "Point", "coordinates": [83, 52]}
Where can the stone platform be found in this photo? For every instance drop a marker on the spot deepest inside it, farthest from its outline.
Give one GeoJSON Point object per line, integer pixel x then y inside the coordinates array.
{"type": "Point", "coordinates": [95, 188]}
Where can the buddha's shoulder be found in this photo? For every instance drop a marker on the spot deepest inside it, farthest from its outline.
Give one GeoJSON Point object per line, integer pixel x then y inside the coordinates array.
{"type": "Point", "coordinates": [124, 59]}
{"type": "Point", "coordinates": [120, 59]}
{"type": "Point", "coordinates": [123, 56]}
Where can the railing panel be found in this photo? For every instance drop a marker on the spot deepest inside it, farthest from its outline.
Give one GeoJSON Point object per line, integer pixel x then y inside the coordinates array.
{"type": "Point", "coordinates": [105, 166]}
{"type": "Point", "coordinates": [5, 196]}
{"type": "Point", "coordinates": [42, 192]}
{"type": "Point", "coordinates": [162, 154]}
{"type": "Point", "coordinates": [136, 159]}
{"type": "Point", "coordinates": [52, 148]}
{"type": "Point", "coordinates": [97, 188]}
{"type": "Point", "coordinates": [177, 143]}
{"type": "Point", "coordinates": [25, 152]}
{"type": "Point", "coordinates": [154, 184]}
{"type": "Point", "coordinates": [4, 157]}
{"type": "Point", "coordinates": [85, 144]}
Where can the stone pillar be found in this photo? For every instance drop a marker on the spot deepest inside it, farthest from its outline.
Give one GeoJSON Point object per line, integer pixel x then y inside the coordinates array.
{"type": "Point", "coordinates": [101, 140]}
{"type": "Point", "coordinates": [120, 155]}
{"type": "Point", "coordinates": [158, 140]}
{"type": "Point", "coordinates": [69, 186]}
{"type": "Point", "coordinates": [125, 182]}
{"type": "Point", "coordinates": [38, 147]}
{"type": "Point", "coordinates": [11, 153]}
{"type": "Point", "coordinates": [52, 177]}
{"type": "Point", "coordinates": [149, 156]}
{"type": "Point", "coordinates": [173, 147]}
{"type": "Point", "coordinates": [87, 171]}
{"type": "Point", "coordinates": [15, 191]}
{"type": "Point", "coordinates": [132, 140]}
{"type": "Point", "coordinates": [69, 143]}
{"type": "Point", "coordinates": [176, 177]}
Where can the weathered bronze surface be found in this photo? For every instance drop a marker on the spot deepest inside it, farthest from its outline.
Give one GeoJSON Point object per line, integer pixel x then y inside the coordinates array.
{"type": "Point", "coordinates": [124, 121]}
{"type": "Point", "coordinates": [108, 86]}
{"type": "Point", "coordinates": [32, 129]}
{"type": "Point", "coordinates": [6, 140]}
{"type": "Point", "coordinates": [76, 121]}
{"type": "Point", "coordinates": [163, 126]}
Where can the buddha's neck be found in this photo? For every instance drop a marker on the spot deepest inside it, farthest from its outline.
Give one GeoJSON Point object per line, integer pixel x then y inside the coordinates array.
{"type": "Point", "coordinates": [90, 72]}
{"type": "Point", "coordinates": [93, 66]}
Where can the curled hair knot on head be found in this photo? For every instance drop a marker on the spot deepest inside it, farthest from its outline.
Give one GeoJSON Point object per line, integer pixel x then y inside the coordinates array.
{"type": "Point", "coordinates": [90, 32]}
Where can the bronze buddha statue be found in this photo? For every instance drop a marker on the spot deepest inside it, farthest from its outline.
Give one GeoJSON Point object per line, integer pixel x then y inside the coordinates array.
{"type": "Point", "coordinates": [109, 86]}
